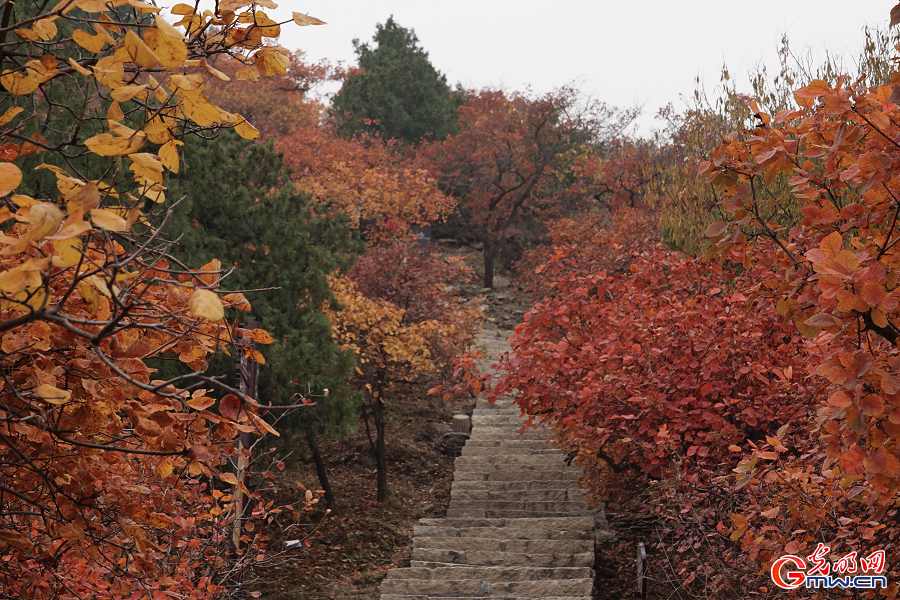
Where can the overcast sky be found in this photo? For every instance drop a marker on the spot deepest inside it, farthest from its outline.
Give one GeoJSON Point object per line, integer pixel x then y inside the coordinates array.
{"type": "Point", "coordinates": [623, 52]}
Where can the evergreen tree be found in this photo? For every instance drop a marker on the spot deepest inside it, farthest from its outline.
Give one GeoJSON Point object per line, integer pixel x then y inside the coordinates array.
{"type": "Point", "coordinates": [399, 89]}
{"type": "Point", "coordinates": [265, 229]}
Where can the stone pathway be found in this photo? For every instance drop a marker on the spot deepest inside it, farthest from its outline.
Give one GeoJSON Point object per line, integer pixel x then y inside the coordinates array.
{"type": "Point", "coordinates": [517, 526]}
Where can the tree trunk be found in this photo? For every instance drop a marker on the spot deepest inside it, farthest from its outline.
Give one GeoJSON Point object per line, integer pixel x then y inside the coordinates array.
{"type": "Point", "coordinates": [320, 469]}
{"type": "Point", "coordinates": [490, 251]}
{"type": "Point", "coordinates": [380, 455]}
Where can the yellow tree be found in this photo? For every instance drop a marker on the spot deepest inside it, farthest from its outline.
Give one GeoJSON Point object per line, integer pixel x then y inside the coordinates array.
{"type": "Point", "coordinates": [387, 350]}
{"type": "Point", "coordinates": [102, 467]}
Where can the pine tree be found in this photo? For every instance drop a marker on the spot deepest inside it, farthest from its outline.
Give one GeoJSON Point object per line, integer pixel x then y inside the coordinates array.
{"type": "Point", "coordinates": [265, 229]}
{"type": "Point", "coordinates": [400, 93]}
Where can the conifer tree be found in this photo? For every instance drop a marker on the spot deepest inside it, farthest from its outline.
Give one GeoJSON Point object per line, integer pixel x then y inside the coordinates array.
{"type": "Point", "coordinates": [399, 95]}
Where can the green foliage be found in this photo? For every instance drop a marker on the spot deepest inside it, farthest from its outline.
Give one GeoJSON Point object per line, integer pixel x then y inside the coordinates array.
{"type": "Point", "coordinates": [399, 89]}
{"type": "Point", "coordinates": [239, 208]}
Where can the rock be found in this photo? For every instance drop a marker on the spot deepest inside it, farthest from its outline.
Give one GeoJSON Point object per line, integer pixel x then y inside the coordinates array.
{"type": "Point", "coordinates": [452, 443]}
{"type": "Point", "coordinates": [433, 431]}
{"type": "Point", "coordinates": [602, 537]}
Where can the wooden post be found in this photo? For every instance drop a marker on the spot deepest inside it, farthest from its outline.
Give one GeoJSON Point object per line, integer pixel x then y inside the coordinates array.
{"type": "Point", "coordinates": [246, 378]}
{"type": "Point", "coordinates": [641, 565]}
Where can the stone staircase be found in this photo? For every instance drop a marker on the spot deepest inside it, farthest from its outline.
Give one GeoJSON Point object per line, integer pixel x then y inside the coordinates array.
{"type": "Point", "coordinates": [517, 526]}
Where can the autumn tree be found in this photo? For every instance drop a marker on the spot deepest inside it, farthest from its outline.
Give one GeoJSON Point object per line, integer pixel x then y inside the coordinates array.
{"type": "Point", "coordinates": [101, 466]}
{"type": "Point", "coordinates": [278, 104]}
{"type": "Point", "coordinates": [386, 350]}
{"type": "Point", "coordinates": [405, 330]}
{"type": "Point", "coordinates": [509, 165]}
{"type": "Point", "coordinates": [383, 190]}
{"type": "Point", "coordinates": [397, 93]}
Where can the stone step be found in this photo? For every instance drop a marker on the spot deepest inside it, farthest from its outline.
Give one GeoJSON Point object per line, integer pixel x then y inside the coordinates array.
{"type": "Point", "coordinates": [478, 588]}
{"type": "Point", "coordinates": [516, 546]}
{"type": "Point", "coordinates": [537, 524]}
{"type": "Point", "coordinates": [496, 420]}
{"type": "Point", "coordinates": [515, 475]}
{"type": "Point", "coordinates": [490, 574]}
{"type": "Point", "coordinates": [504, 460]}
{"type": "Point", "coordinates": [548, 484]}
{"type": "Point", "coordinates": [472, 451]}
{"type": "Point", "coordinates": [474, 463]}
{"type": "Point", "coordinates": [498, 411]}
{"type": "Point", "coordinates": [509, 513]}
{"type": "Point", "coordinates": [508, 433]}
{"type": "Point", "coordinates": [492, 597]}
{"type": "Point", "coordinates": [571, 494]}
{"type": "Point", "coordinates": [518, 443]}
{"type": "Point", "coordinates": [449, 558]}
{"type": "Point", "coordinates": [491, 533]}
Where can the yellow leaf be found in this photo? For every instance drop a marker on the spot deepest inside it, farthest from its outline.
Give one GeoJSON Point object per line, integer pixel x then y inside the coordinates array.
{"type": "Point", "coordinates": [211, 271]}
{"type": "Point", "coordinates": [90, 296]}
{"type": "Point", "coordinates": [10, 177]}
{"type": "Point", "coordinates": [45, 219]}
{"type": "Point", "coordinates": [115, 113]}
{"type": "Point", "coordinates": [198, 110]}
{"type": "Point", "coordinates": [182, 9]}
{"type": "Point", "coordinates": [237, 300]}
{"type": "Point", "coordinates": [93, 6]}
{"type": "Point", "coordinates": [255, 355]}
{"type": "Point", "coordinates": [214, 72]}
{"type": "Point", "coordinates": [248, 74]}
{"type": "Point", "coordinates": [228, 478]}
{"type": "Point", "coordinates": [146, 165]}
{"type": "Point", "coordinates": [100, 283]}
{"type": "Point", "coordinates": [78, 67]}
{"type": "Point", "coordinates": [168, 155]}
{"type": "Point", "coordinates": [186, 83]}
{"type": "Point", "coordinates": [42, 70]}
{"type": "Point", "coordinates": [245, 129]}
{"type": "Point", "coordinates": [140, 53]}
{"type": "Point", "coordinates": [127, 92]}
{"type": "Point", "coordinates": [165, 468]}
{"type": "Point", "coordinates": [13, 281]}
{"type": "Point", "coordinates": [261, 336]}
{"type": "Point", "coordinates": [22, 200]}
{"type": "Point", "coordinates": [143, 7]}
{"type": "Point", "coordinates": [45, 29]}
{"type": "Point", "coordinates": [91, 43]}
{"type": "Point", "coordinates": [153, 192]}
{"type": "Point", "coordinates": [168, 29]}
{"type": "Point", "coordinates": [109, 220]}
{"type": "Point", "coordinates": [53, 395]}
{"type": "Point", "coordinates": [122, 131]}
{"type": "Point", "coordinates": [83, 198]}
{"type": "Point", "coordinates": [27, 34]}
{"type": "Point", "coordinates": [304, 20]}
{"type": "Point", "coordinates": [9, 115]}
{"type": "Point", "coordinates": [105, 144]}
{"type": "Point", "coordinates": [206, 304]}
{"type": "Point", "coordinates": [171, 51]}
{"type": "Point", "coordinates": [68, 252]}
{"type": "Point", "coordinates": [271, 63]}
{"type": "Point", "coordinates": [17, 84]}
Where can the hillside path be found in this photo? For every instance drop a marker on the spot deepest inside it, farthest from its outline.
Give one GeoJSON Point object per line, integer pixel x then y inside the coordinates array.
{"type": "Point", "coordinates": [517, 526]}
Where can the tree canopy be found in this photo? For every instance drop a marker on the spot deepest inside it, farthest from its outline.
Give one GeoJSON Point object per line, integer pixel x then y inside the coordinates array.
{"type": "Point", "coordinates": [398, 94]}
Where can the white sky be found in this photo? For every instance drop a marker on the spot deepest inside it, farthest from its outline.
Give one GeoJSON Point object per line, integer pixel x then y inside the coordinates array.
{"type": "Point", "coordinates": [623, 52]}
